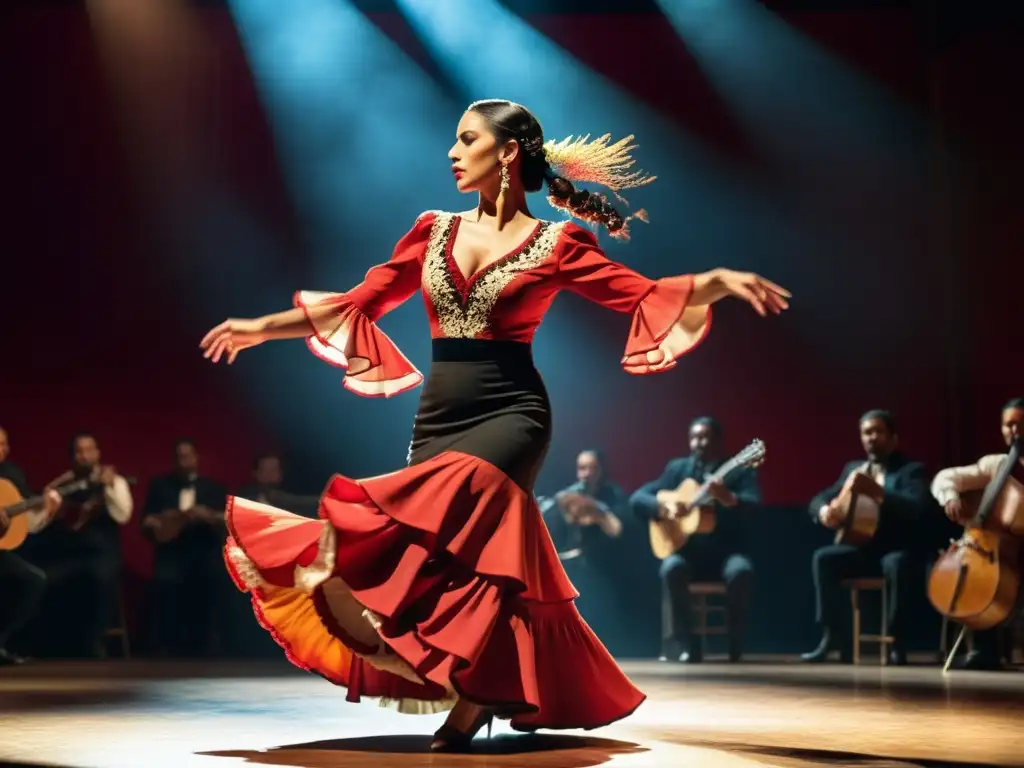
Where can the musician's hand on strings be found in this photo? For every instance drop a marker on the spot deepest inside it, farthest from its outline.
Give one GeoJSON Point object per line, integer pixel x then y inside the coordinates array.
{"type": "Point", "coordinates": [864, 485]}
{"type": "Point", "coordinates": [721, 494]}
{"type": "Point", "coordinates": [957, 512]}
{"type": "Point", "coordinates": [106, 476]}
{"type": "Point", "coordinates": [759, 292]}
{"type": "Point", "coordinates": [51, 503]}
{"type": "Point", "coordinates": [231, 337]}
{"type": "Point", "coordinates": [5, 522]}
{"type": "Point", "coordinates": [669, 511]}
{"type": "Point", "coordinates": [830, 516]}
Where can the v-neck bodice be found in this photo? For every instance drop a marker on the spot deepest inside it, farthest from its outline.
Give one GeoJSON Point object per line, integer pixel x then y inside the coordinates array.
{"type": "Point", "coordinates": [466, 281]}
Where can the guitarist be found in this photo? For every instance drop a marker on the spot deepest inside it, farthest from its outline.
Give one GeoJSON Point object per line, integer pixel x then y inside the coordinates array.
{"type": "Point", "coordinates": [899, 549]}
{"type": "Point", "coordinates": [706, 557]}
{"type": "Point", "coordinates": [947, 487]}
{"type": "Point", "coordinates": [21, 583]}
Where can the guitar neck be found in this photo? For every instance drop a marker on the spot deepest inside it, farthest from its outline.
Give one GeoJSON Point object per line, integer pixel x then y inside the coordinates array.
{"type": "Point", "coordinates": [35, 502]}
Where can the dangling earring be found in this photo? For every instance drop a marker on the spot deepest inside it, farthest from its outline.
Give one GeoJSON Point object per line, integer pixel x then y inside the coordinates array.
{"type": "Point", "coordinates": [500, 202]}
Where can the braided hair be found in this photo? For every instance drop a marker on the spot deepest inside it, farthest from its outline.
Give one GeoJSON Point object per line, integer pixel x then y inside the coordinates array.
{"type": "Point", "coordinates": [559, 164]}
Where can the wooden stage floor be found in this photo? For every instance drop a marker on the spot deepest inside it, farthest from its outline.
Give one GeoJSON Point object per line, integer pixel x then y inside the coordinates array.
{"type": "Point", "coordinates": [221, 715]}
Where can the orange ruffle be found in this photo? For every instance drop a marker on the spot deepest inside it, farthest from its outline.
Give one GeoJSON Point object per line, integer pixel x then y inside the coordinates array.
{"type": "Point", "coordinates": [664, 328]}
{"type": "Point", "coordinates": [434, 581]}
{"type": "Point", "coordinates": [348, 339]}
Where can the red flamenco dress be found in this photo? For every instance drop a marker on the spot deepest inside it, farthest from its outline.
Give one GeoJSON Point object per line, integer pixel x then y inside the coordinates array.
{"type": "Point", "coordinates": [440, 580]}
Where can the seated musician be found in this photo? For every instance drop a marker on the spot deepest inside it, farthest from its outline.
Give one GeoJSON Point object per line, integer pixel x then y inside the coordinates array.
{"type": "Point", "coordinates": [79, 548]}
{"type": "Point", "coordinates": [947, 486]}
{"type": "Point", "coordinates": [899, 549]}
{"type": "Point", "coordinates": [184, 517]}
{"type": "Point", "coordinates": [585, 521]}
{"type": "Point", "coordinates": [267, 487]}
{"type": "Point", "coordinates": [719, 555]}
{"type": "Point", "coordinates": [21, 583]}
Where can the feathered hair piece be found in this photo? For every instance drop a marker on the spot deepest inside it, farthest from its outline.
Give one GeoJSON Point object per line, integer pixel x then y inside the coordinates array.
{"type": "Point", "coordinates": [597, 161]}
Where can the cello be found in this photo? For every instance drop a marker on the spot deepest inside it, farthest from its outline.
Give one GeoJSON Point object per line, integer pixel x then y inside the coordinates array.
{"type": "Point", "coordinates": [976, 582]}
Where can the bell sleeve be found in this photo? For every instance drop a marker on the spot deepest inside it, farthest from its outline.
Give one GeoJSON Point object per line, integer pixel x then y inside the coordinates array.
{"type": "Point", "coordinates": [665, 326]}
{"type": "Point", "coordinates": [344, 330]}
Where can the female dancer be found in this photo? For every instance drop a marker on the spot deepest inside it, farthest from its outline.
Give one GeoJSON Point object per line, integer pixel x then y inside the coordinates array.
{"type": "Point", "coordinates": [437, 586]}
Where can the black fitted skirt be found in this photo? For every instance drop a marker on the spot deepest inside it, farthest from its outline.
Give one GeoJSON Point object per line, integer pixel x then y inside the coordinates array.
{"type": "Point", "coordinates": [486, 399]}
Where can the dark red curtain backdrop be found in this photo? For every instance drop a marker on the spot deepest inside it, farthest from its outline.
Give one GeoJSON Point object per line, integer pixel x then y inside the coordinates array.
{"type": "Point", "coordinates": [97, 333]}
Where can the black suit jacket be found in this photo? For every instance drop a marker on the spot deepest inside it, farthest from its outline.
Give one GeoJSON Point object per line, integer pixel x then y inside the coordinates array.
{"type": "Point", "coordinates": [729, 536]}
{"type": "Point", "coordinates": [910, 518]}
{"type": "Point", "coordinates": [163, 494]}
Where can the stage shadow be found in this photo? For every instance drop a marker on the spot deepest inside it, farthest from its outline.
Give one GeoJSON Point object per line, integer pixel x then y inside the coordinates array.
{"type": "Point", "coordinates": [550, 750]}
{"type": "Point", "coordinates": [781, 757]}
{"type": "Point", "coordinates": [23, 702]}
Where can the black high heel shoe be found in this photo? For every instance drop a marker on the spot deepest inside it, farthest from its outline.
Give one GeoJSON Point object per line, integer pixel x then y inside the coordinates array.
{"type": "Point", "coordinates": [448, 738]}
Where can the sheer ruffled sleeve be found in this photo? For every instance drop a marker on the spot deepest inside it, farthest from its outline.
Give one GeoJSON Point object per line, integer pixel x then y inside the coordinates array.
{"type": "Point", "coordinates": [345, 333]}
{"type": "Point", "coordinates": [664, 328]}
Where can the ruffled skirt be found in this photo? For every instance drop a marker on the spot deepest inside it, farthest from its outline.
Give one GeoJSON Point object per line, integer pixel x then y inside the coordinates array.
{"type": "Point", "coordinates": [438, 580]}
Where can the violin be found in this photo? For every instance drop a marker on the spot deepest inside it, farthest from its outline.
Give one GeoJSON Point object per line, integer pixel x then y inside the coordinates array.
{"type": "Point", "coordinates": [976, 581]}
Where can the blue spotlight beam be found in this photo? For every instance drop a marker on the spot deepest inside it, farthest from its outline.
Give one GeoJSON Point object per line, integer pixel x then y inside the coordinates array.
{"type": "Point", "coordinates": [360, 132]}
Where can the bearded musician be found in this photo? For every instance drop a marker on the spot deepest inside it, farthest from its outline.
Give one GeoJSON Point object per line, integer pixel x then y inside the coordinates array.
{"type": "Point", "coordinates": [585, 521]}
{"type": "Point", "coordinates": [908, 532]}
{"type": "Point", "coordinates": [718, 555]}
{"type": "Point", "coordinates": [947, 487]}
{"type": "Point", "coordinates": [79, 548]}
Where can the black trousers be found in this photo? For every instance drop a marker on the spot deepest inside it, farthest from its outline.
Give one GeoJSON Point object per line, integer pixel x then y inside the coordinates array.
{"type": "Point", "coordinates": [677, 573]}
{"type": "Point", "coordinates": [187, 601]}
{"type": "Point", "coordinates": [21, 590]}
{"type": "Point", "coordinates": [80, 602]}
{"type": "Point", "coordinates": [903, 571]}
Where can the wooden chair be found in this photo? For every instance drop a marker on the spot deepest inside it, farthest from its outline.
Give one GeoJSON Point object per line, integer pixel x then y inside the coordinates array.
{"type": "Point", "coordinates": [702, 593]}
{"type": "Point", "coordinates": [120, 628]}
{"type": "Point", "coordinates": [883, 638]}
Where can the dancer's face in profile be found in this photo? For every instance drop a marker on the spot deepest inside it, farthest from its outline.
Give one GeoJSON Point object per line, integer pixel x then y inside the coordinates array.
{"type": "Point", "coordinates": [476, 155]}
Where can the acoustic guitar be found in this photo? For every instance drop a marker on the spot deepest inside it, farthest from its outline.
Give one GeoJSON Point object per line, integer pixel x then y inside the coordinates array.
{"type": "Point", "coordinates": [695, 507]}
{"type": "Point", "coordinates": [861, 514]}
{"type": "Point", "coordinates": [15, 506]}
{"type": "Point", "coordinates": [976, 581]}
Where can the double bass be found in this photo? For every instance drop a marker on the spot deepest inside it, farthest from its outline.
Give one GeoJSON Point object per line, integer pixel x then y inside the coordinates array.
{"type": "Point", "coordinates": [976, 581]}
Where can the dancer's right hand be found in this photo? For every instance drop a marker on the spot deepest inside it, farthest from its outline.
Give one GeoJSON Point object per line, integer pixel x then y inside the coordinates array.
{"type": "Point", "coordinates": [231, 337]}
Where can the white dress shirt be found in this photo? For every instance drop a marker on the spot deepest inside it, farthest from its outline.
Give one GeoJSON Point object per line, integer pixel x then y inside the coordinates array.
{"type": "Point", "coordinates": [951, 482]}
{"type": "Point", "coordinates": [117, 495]}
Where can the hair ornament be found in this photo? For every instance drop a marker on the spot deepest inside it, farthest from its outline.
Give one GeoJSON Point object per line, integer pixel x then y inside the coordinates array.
{"type": "Point", "coordinates": [597, 162]}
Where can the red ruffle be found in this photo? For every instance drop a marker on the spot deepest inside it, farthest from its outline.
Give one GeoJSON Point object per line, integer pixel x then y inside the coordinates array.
{"type": "Point", "coordinates": [349, 339]}
{"type": "Point", "coordinates": [459, 572]}
{"type": "Point", "coordinates": [664, 328]}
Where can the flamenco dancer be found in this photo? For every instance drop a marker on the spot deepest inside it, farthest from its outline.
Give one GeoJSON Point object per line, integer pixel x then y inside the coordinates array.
{"type": "Point", "coordinates": [436, 587]}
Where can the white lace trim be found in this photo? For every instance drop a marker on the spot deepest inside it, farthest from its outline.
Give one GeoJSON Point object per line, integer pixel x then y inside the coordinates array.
{"type": "Point", "coordinates": [309, 577]}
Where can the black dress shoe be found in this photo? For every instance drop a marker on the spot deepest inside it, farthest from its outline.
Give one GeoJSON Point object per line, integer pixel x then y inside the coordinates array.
{"type": "Point", "coordinates": [978, 661]}
{"type": "Point", "coordinates": [8, 659]}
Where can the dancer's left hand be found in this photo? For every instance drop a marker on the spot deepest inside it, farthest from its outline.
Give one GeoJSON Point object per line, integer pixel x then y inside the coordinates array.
{"type": "Point", "coordinates": [761, 293]}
